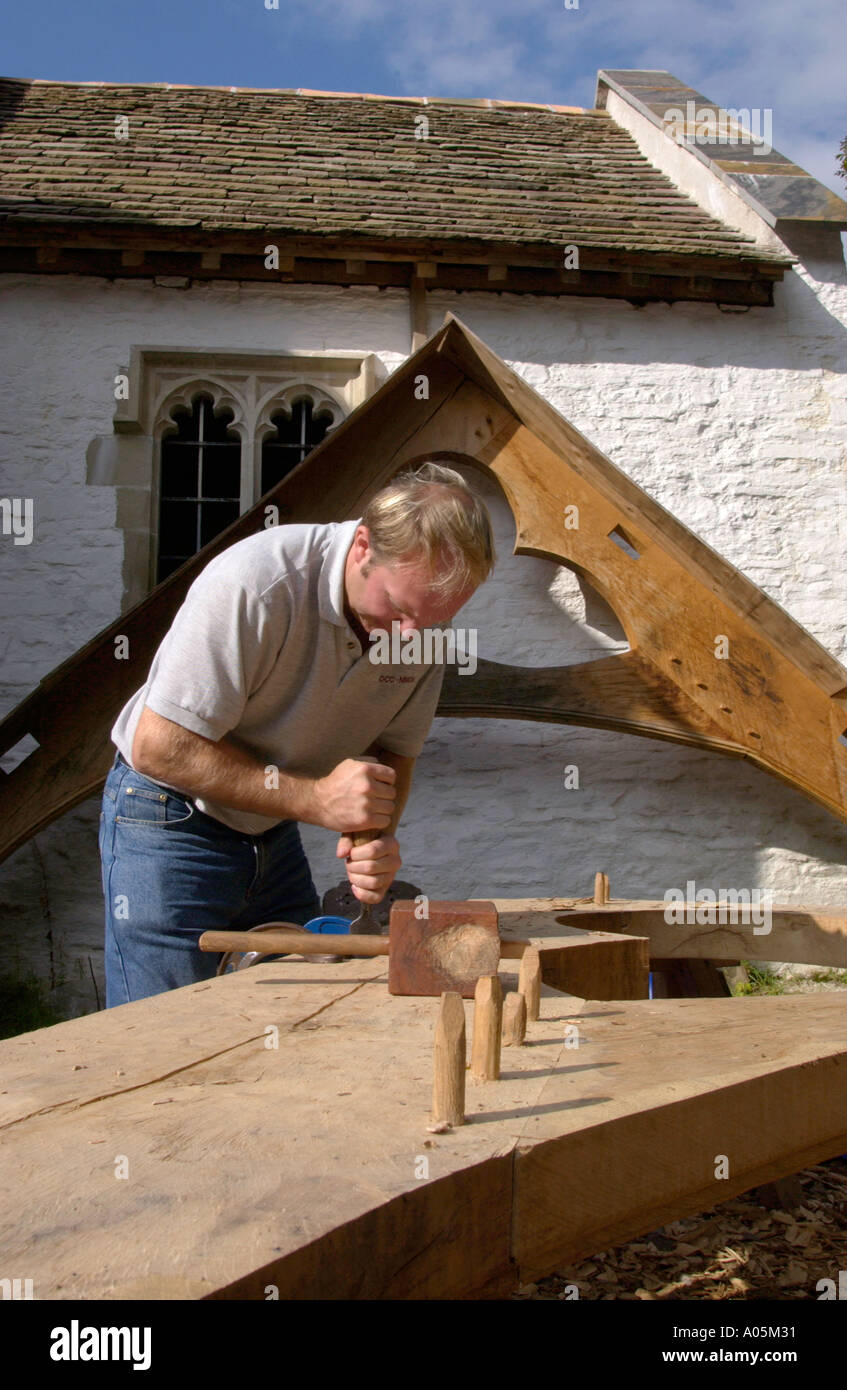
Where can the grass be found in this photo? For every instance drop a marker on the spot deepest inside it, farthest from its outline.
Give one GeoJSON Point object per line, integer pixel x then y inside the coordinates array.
{"type": "Point", "coordinates": [759, 981]}
{"type": "Point", "coordinates": [24, 1006]}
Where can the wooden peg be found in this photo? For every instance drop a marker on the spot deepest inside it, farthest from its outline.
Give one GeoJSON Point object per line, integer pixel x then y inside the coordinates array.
{"type": "Point", "coordinates": [448, 1086]}
{"type": "Point", "coordinates": [601, 889]}
{"type": "Point", "coordinates": [514, 1019]}
{"type": "Point", "coordinates": [529, 981]}
{"type": "Point", "coordinates": [487, 1028]}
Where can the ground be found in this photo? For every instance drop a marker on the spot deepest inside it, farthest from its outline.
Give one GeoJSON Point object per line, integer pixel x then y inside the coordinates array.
{"type": "Point", "coordinates": [740, 1250]}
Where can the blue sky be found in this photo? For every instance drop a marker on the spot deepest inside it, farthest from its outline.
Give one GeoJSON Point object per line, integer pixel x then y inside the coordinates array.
{"type": "Point", "coordinates": [777, 55]}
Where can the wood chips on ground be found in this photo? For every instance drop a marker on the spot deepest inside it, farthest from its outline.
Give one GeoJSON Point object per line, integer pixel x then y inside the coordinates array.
{"type": "Point", "coordinates": [741, 1249]}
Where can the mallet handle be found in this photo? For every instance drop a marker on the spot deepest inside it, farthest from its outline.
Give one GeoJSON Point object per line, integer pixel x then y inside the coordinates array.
{"type": "Point", "coordinates": [284, 942]}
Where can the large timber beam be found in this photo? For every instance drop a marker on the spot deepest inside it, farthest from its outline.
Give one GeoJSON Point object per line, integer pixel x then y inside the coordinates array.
{"type": "Point", "coordinates": [805, 935]}
{"type": "Point", "coordinates": [267, 1130]}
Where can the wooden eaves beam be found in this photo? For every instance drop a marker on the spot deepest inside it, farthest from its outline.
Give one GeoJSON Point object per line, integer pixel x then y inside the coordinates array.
{"type": "Point", "coordinates": [616, 272]}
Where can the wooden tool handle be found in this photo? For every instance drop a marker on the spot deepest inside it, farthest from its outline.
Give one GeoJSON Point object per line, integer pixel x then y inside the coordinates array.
{"type": "Point", "coordinates": [363, 837]}
{"type": "Point", "coordinates": [284, 942]}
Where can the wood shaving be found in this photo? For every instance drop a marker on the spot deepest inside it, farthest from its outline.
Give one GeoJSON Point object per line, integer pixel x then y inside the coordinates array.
{"type": "Point", "coordinates": [741, 1250]}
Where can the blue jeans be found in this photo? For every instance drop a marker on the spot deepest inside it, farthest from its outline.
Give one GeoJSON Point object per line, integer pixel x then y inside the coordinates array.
{"type": "Point", "coordinates": [170, 873]}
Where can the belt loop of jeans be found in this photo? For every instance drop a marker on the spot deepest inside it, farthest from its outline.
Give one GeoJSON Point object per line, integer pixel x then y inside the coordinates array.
{"type": "Point", "coordinates": [122, 762]}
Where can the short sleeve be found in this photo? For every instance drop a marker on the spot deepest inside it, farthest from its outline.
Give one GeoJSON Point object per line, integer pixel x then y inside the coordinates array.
{"type": "Point", "coordinates": [221, 647]}
{"type": "Point", "coordinates": [407, 732]}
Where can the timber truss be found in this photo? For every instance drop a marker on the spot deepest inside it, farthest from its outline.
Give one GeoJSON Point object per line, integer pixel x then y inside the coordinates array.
{"type": "Point", "coordinates": [712, 661]}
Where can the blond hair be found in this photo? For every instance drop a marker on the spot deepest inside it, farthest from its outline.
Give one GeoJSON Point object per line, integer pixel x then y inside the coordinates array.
{"type": "Point", "coordinates": [428, 517]}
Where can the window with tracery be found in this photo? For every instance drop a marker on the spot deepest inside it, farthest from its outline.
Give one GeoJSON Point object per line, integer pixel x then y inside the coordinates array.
{"type": "Point", "coordinates": [295, 435]}
{"type": "Point", "coordinates": [200, 434]}
{"type": "Point", "coordinates": [199, 482]}
{"type": "Point", "coordinates": [205, 477]}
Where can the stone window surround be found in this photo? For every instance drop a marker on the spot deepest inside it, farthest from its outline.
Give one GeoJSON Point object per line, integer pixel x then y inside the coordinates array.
{"type": "Point", "coordinates": [254, 385]}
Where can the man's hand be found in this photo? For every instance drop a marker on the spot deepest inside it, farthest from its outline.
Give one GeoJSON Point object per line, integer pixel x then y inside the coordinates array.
{"type": "Point", "coordinates": [370, 868]}
{"type": "Point", "coordinates": [358, 794]}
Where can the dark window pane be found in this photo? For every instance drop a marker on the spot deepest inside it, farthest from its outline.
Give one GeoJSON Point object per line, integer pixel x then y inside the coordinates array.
{"type": "Point", "coordinates": [214, 517]}
{"type": "Point", "coordinates": [178, 528]}
{"type": "Point", "coordinates": [296, 435]}
{"type": "Point", "coordinates": [199, 457]}
{"type": "Point", "coordinates": [276, 462]}
{"type": "Point", "coordinates": [216, 427]}
{"type": "Point", "coordinates": [167, 565]}
{"type": "Point", "coordinates": [318, 428]}
{"type": "Point", "coordinates": [222, 471]}
{"type": "Point", "coordinates": [186, 423]}
{"type": "Point", "coordinates": [287, 427]}
{"type": "Point", "coordinates": [179, 469]}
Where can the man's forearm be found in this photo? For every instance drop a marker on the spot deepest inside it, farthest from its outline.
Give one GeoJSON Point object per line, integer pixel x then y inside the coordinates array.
{"type": "Point", "coordinates": [221, 772]}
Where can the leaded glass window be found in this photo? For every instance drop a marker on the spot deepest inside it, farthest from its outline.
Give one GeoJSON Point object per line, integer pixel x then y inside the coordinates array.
{"type": "Point", "coordinates": [200, 482]}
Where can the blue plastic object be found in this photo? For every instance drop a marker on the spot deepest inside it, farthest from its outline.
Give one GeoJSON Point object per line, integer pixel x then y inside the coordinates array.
{"type": "Point", "coordinates": [332, 926]}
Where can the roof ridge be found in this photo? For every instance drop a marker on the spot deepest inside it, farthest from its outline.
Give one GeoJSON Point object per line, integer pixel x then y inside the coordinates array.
{"type": "Point", "coordinates": [489, 102]}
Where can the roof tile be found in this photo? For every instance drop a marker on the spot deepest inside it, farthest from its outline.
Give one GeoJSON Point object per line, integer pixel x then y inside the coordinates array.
{"type": "Point", "coordinates": [330, 165]}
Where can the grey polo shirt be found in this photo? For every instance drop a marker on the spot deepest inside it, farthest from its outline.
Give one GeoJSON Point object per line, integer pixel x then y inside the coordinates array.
{"type": "Point", "coordinates": [261, 651]}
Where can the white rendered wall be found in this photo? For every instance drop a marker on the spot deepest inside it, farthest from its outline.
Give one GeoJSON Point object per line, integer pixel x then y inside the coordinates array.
{"type": "Point", "coordinates": [734, 422]}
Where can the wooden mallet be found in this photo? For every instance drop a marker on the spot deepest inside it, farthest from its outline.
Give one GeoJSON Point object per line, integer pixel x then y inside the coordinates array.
{"type": "Point", "coordinates": [432, 947]}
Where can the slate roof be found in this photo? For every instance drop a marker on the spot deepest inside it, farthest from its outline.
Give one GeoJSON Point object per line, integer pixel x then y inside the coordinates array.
{"type": "Point", "coordinates": [341, 165]}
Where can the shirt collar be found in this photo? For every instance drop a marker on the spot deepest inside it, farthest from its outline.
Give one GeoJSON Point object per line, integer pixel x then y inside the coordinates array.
{"type": "Point", "coordinates": [331, 581]}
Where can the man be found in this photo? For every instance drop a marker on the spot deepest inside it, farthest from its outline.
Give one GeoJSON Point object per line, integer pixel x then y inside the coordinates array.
{"type": "Point", "coordinates": [259, 711]}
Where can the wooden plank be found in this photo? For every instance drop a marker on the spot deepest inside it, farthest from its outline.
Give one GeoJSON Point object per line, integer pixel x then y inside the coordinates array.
{"type": "Point", "coordinates": [617, 692]}
{"type": "Point", "coordinates": [598, 969]}
{"type": "Point", "coordinates": [299, 1166]}
{"type": "Point", "coordinates": [471, 252]}
{"type": "Point", "coordinates": [249, 1165]}
{"type": "Point", "coordinates": [632, 1137]}
{"type": "Point", "coordinates": [734, 287]}
{"type": "Point", "coordinates": [575, 960]}
{"type": "Point", "coordinates": [417, 312]}
{"type": "Point", "coordinates": [804, 935]}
